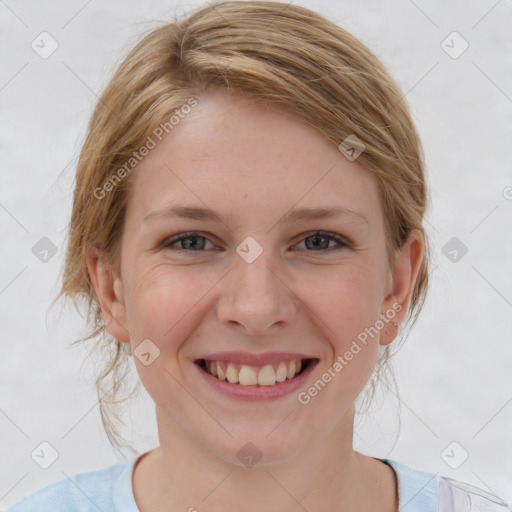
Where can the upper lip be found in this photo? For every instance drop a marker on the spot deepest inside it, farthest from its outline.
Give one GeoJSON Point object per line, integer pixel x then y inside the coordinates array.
{"type": "Point", "coordinates": [263, 359]}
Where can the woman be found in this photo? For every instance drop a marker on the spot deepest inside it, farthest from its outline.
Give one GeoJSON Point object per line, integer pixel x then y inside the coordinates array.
{"type": "Point", "coordinates": [248, 226]}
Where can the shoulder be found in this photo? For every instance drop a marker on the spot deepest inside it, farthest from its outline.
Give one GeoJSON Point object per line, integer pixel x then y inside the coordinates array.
{"type": "Point", "coordinates": [84, 492]}
{"type": "Point", "coordinates": [457, 496]}
{"type": "Point", "coordinates": [420, 491]}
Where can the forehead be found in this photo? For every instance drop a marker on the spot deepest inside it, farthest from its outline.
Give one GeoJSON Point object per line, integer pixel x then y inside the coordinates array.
{"type": "Point", "coordinates": [231, 154]}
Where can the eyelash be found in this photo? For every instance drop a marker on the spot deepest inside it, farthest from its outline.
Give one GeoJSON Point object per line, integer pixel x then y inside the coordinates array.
{"type": "Point", "coordinates": [167, 244]}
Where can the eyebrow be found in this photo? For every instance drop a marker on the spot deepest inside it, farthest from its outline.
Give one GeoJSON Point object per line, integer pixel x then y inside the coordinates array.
{"type": "Point", "coordinates": [198, 213]}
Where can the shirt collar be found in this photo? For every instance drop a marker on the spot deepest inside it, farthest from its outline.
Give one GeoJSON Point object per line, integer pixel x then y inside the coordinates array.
{"type": "Point", "coordinates": [417, 490]}
{"type": "Point", "coordinates": [122, 492]}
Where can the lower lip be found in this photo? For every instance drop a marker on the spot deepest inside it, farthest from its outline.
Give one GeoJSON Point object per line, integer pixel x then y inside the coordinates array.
{"type": "Point", "coordinates": [257, 393]}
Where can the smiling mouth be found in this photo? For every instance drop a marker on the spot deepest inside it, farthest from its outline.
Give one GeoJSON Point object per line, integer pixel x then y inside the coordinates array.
{"type": "Point", "coordinates": [248, 375]}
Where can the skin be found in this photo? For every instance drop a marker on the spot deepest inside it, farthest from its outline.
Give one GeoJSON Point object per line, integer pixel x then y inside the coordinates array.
{"type": "Point", "coordinates": [253, 165]}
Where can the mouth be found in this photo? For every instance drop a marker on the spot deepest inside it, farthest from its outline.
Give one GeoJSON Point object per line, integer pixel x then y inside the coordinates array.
{"type": "Point", "coordinates": [255, 376]}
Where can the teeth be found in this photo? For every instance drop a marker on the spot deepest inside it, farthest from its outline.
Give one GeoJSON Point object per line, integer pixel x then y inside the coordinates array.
{"type": "Point", "coordinates": [291, 370]}
{"type": "Point", "coordinates": [232, 374]}
{"type": "Point", "coordinates": [246, 375]}
{"type": "Point", "coordinates": [281, 372]}
{"type": "Point", "coordinates": [267, 376]}
{"type": "Point", "coordinates": [220, 373]}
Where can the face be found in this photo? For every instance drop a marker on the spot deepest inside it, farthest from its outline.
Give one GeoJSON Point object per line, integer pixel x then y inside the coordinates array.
{"type": "Point", "coordinates": [259, 286]}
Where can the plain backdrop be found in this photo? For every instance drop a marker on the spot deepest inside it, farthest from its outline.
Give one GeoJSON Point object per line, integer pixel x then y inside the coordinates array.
{"type": "Point", "coordinates": [453, 372]}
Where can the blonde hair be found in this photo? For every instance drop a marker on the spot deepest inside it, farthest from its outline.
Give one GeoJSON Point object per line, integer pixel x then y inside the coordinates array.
{"type": "Point", "coordinates": [272, 52]}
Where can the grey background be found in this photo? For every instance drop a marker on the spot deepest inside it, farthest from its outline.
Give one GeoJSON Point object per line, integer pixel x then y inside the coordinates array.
{"type": "Point", "coordinates": [453, 372]}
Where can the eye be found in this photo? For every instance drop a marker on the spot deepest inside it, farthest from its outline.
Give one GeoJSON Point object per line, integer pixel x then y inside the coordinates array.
{"type": "Point", "coordinates": [195, 242]}
{"type": "Point", "coordinates": [192, 241]}
{"type": "Point", "coordinates": [320, 240]}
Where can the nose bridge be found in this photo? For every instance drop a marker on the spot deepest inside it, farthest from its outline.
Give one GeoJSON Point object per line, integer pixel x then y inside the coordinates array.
{"type": "Point", "coordinates": [257, 280]}
{"type": "Point", "coordinates": [256, 276]}
{"type": "Point", "coordinates": [257, 296]}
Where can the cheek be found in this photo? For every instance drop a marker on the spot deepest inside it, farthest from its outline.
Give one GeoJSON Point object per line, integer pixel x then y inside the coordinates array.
{"type": "Point", "coordinates": [350, 308]}
{"type": "Point", "coordinates": [163, 306]}
{"type": "Point", "coordinates": [348, 299]}
{"type": "Point", "coordinates": [162, 300]}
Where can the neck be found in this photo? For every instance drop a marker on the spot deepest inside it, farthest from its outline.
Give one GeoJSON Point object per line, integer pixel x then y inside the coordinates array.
{"type": "Point", "coordinates": [325, 475]}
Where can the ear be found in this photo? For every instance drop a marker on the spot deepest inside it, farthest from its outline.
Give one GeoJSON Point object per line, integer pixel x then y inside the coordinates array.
{"type": "Point", "coordinates": [110, 293]}
{"type": "Point", "coordinates": [400, 284]}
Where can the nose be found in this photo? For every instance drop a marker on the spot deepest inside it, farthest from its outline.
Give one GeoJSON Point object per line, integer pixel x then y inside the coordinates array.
{"type": "Point", "coordinates": [256, 296]}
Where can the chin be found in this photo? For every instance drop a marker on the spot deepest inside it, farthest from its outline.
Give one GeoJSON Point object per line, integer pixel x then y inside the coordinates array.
{"type": "Point", "coordinates": [255, 449]}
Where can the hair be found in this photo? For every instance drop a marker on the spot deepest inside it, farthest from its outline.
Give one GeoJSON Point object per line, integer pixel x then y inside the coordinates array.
{"type": "Point", "coordinates": [279, 54]}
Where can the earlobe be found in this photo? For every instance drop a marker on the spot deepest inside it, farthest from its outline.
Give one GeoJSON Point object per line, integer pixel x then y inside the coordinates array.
{"type": "Point", "coordinates": [109, 292]}
{"type": "Point", "coordinates": [402, 281]}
